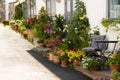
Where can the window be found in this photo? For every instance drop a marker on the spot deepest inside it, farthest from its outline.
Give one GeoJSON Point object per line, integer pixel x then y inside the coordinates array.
{"type": "Point", "coordinates": [51, 6]}
{"type": "Point", "coordinates": [114, 9]}
{"type": "Point", "coordinates": [69, 8]}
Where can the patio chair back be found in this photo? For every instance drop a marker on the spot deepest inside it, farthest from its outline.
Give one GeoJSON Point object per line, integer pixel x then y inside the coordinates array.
{"type": "Point", "coordinates": [96, 38]}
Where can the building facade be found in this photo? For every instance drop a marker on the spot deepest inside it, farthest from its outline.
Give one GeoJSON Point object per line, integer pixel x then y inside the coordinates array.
{"type": "Point", "coordinates": [96, 11]}
{"type": "Point", "coordinates": [11, 10]}
{"type": "Point", "coordinates": [2, 10]}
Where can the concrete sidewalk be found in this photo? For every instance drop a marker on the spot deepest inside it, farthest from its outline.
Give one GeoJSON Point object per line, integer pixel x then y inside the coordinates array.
{"type": "Point", "coordinates": [16, 63]}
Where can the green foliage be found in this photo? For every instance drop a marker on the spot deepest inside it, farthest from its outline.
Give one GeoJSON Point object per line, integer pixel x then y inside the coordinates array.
{"type": "Point", "coordinates": [18, 12]}
{"type": "Point", "coordinates": [114, 60]}
{"type": "Point", "coordinates": [63, 56]}
{"type": "Point", "coordinates": [115, 75]}
{"type": "Point", "coordinates": [59, 21]}
{"type": "Point", "coordinates": [96, 31]}
{"type": "Point", "coordinates": [110, 23]}
{"type": "Point", "coordinates": [78, 28]}
{"type": "Point", "coordinates": [88, 62]}
{"type": "Point", "coordinates": [39, 31]}
{"type": "Point", "coordinates": [43, 17]}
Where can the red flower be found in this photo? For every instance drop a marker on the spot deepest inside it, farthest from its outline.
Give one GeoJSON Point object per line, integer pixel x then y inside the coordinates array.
{"type": "Point", "coordinates": [75, 49]}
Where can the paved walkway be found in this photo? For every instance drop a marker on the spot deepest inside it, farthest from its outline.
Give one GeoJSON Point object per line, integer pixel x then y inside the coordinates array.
{"type": "Point", "coordinates": [18, 62]}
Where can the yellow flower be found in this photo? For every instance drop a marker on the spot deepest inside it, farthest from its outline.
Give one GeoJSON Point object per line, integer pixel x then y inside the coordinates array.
{"type": "Point", "coordinates": [81, 18]}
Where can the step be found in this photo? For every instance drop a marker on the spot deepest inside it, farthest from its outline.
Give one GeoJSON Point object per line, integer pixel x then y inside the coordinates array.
{"type": "Point", "coordinates": [95, 75]}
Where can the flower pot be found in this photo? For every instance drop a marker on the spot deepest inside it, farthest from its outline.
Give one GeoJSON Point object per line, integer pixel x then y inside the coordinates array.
{"type": "Point", "coordinates": [64, 63]}
{"type": "Point", "coordinates": [51, 56]}
{"type": "Point", "coordinates": [115, 67]}
{"type": "Point", "coordinates": [75, 62]}
{"type": "Point", "coordinates": [41, 44]}
{"type": "Point", "coordinates": [36, 42]}
{"type": "Point", "coordinates": [56, 59]}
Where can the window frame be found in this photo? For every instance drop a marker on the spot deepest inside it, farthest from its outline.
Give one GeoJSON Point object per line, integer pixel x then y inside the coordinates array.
{"type": "Point", "coordinates": [50, 6]}
{"type": "Point", "coordinates": [109, 17]}
{"type": "Point", "coordinates": [69, 14]}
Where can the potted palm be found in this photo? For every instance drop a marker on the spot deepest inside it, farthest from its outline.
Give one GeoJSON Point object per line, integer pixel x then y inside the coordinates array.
{"type": "Point", "coordinates": [114, 62]}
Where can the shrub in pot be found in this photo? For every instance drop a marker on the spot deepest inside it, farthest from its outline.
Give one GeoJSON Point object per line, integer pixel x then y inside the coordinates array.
{"type": "Point", "coordinates": [64, 58]}
{"type": "Point", "coordinates": [91, 63]}
{"type": "Point", "coordinates": [114, 62]}
{"type": "Point", "coordinates": [115, 75]}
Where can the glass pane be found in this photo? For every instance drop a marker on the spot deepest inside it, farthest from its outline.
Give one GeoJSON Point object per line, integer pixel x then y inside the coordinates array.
{"type": "Point", "coordinates": [53, 7]}
{"type": "Point", "coordinates": [74, 6]}
{"type": "Point", "coordinates": [48, 6]}
{"type": "Point", "coordinates": [114, 8]}
{"type": "Point", "coordinates": [68, 5]}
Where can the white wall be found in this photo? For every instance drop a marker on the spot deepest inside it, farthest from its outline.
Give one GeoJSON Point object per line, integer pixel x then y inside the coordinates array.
{"type": "Point", "coordinates": [39, 4]}
{"type": "Point", "coordinates": [60, 7]}
{"type": "Point", "coordinates": [96, 10]}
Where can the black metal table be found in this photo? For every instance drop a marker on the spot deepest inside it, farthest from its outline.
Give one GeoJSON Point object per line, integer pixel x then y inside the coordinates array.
{"type": "Point", "coordinates": [102, 51]}
{"type": "Point", "coordinates": [106, 43]}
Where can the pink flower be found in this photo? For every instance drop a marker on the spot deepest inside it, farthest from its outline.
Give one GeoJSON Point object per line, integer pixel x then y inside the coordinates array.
{"type": "Point", "coordinates": [47, 31]}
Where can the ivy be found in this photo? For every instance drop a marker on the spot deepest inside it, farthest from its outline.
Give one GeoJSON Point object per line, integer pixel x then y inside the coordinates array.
{"type": "Point", "coordinates": [110, 23]}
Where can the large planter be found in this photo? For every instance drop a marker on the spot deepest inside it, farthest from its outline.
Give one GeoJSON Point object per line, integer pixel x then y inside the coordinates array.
{"type": "Point", "coordinates": [114, 67]}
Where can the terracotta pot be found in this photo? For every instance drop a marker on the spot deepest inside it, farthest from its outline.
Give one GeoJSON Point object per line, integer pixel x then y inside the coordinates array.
{"type": "Point", "coordinates": [56, 59]}
{"type": "Point", "coordinates": [75, 62]}
{"type": "Point", "coordinates": [51, 56]}
{"type": "Point", "coordinates": [41, 44]}
{"type": "Point", "coordinates": [64, 63]}
{"type": "Point", "coordinates": [115, 67]}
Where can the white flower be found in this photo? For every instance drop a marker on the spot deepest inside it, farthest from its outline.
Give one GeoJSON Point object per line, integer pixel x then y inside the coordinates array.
{"type": "Point", "coordinates": [66, 26]}
{"type": "Point", "coordinates": [76, 28]}
{"type": "Point", "coordinates": [69, 41]}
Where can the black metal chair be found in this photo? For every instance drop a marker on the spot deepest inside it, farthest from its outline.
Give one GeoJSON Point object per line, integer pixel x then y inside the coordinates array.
{"type": "Point", "coordinates": [94, 48]}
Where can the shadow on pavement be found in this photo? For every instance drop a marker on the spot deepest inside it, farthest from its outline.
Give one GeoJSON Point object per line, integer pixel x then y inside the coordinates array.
{"type": "Point", "coordinates": [62, 73]}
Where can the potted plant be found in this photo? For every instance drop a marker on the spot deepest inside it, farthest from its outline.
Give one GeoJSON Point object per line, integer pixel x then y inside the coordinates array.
{"type": "Point", "coordinates": [41, 42]}
{"type": "Point", "coordinates": [115, 75]}
{"type": "Point", "coordinates": [56, 58]}
{"type": "Point", "coordinates": [75, 56]}
{"type": "Point", "coordinates": [91, 63]}
{"type": "Point", "coordinates": [64, 58]}
{"type": "Point", "coordinates": [114, 61]}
